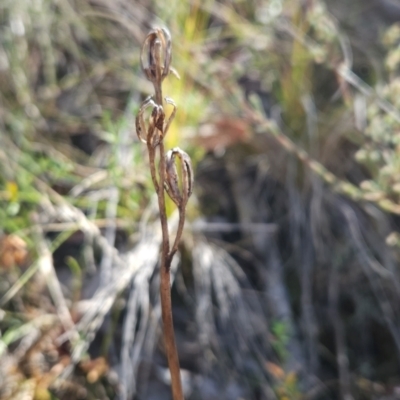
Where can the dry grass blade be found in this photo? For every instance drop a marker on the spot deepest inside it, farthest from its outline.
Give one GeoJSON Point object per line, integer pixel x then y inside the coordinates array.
{"type": "Point", "coordinates": [46, 267]}
{"type": "Point", "coordinates": [230, 326]}
{"type": "Point", "coordinates": [140, 260]}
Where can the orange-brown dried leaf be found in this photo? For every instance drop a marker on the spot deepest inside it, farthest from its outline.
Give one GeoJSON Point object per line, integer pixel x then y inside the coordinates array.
{"type": "Point", "coordinates": [13, 251]}
{"type": "Point", "coordinates": [223, 133]}
{"type": "Point", "coordinates": [275, 370]}
{"type": "Point", "coordinates": [94, 369]}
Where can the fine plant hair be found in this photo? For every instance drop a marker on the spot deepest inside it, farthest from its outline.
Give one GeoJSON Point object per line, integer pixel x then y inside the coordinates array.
{"type": "Point", "coordinates": [156, 64]}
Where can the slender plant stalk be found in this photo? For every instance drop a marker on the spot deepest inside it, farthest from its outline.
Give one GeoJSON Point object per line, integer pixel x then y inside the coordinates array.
{"type": "Point", "coordinates": [179, 232]}
{"type": "Point", "coordinates": [157, 49]}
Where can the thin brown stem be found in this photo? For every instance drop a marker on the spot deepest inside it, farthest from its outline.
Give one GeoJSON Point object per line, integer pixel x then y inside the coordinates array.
{"type": "Point", "coordinates": [153, 171]}
{"type": "Point", "coordinates": [165, 286]}
{"type": "Point", "coordinates": [179, 232]}
{"type": "Point", "coordinates": [161, 203]}
{"type": "Point", "coordinates": [155, 60]}
{"type": "Point", "coordinates": [169, 334]}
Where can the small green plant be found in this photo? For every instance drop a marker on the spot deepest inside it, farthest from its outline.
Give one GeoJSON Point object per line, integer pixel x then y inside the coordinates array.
{"type": "Point", "coordinates": [156, 64]}
{"type": "Point", "coordinates": [281, 335]}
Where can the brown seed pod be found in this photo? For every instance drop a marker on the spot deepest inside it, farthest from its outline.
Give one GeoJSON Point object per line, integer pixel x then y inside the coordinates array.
{"type": "Point", "coordinates": [179, 196]}
{"type": "Point", "coordinates": [155, 132]}
{"type": "Point", "coordinates": [157, 49]}
{"type": "Point", "coordinates": [141, 129]}
{"type": "Point", "coordinates": [146, 134]}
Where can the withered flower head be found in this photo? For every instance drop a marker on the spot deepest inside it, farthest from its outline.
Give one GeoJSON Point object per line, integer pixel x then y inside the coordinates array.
{"type": "Point", "coordinates": [179, 196]}
{"type": "Point", "coordinates": [155, 57]}
{"type": "Point", "coordinates": [154, 131]}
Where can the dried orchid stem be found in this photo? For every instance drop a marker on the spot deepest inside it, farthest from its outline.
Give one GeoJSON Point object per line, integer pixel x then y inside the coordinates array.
{"type": "Point", "coordinates": [157, 49]}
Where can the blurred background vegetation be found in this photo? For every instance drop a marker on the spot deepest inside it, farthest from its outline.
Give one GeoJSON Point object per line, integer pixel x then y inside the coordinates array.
{"type": "Point", "coordinates": [287, 283]}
